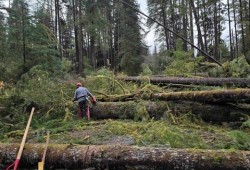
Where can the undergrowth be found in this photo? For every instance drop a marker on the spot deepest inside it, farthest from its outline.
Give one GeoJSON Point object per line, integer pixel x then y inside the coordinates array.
{"type": "Point", "coordinates": [154, 133]}
{"type": "Point", "coordinates": [55, 112]}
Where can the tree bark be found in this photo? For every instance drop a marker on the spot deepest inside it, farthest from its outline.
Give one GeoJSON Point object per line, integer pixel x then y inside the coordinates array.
{"type": "Point", "coordinates": [216, 33]}
{"type": "Point", "coordinates": [230, 34]}
{"type": "Point", "coordinates": [159, 109]}
{"type": "Point", "coordinates": [124, 157]}
{"type": "Point", "coordinates": [164, 18]}
{"type": "Point", "coordinates": [235, 29]}
{"type": "Point", "coordinates": [212, 96]}
{"type": "Point", "coordinates": [236, 82]}
{"type": "Point", "coordinates": [242, 29]}
{"type": "Point", "coordinates": [196, 17]}
{"type": "Point", "coordinates": [80, 39]}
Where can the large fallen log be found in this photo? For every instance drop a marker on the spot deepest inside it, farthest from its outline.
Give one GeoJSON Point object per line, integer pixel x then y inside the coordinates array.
{"type": "Point", "coordinates": [208, 96]}
{"type": "Point", "coordinates": [139, 110]}
{"type": "Point", "coordinates": [124, 157]}
{"type": "Point", "coordinates": [212, 96]}
{"type": "Point", "coordinates": [237, 82]}
{"type": "Point", "coordinates": [128, 110]}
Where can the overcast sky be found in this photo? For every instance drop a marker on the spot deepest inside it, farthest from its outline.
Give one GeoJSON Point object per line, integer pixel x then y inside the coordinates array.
{"type": "Point", "coordinates": [149, 39]}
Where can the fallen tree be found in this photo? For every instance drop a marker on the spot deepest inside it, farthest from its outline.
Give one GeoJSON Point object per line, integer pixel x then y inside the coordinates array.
{"type": "Point", "coordinates": [139, 110]}
{"type": "Point", "coordinates": [212, 96]}
{"type": "Point", "coordinates": [124, 157]}
{"type": "Point", "coordinates": [208, 96]}
{"type": "Point", "coordinates": [237, 82]}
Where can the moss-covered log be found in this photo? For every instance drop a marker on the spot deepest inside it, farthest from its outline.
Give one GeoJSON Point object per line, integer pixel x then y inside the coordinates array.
{"type": "Point", "coordinates": [208, 96]}
{"type": "Point", "coordinates": [124, 157]}
{"type": "Point", "coordinates": [160, 109]}
{"type": "Point", "coordinates": [128, 110]}
{"type": "Point", "coordinates": [237, 82]}
{"type": "Point", "coordinates": [213, 96]}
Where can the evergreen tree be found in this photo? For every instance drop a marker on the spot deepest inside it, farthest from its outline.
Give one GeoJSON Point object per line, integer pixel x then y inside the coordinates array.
{"type": "Point", "coordinates": [131, 46]}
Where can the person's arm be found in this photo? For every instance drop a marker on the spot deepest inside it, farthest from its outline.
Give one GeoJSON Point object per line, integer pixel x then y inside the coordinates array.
{"type": "Point", "coordinates": [92, 96]}
{"type": "Point", "coordinates": [74, 98]}
{"type": "Point", "coordinates": [88, 93]}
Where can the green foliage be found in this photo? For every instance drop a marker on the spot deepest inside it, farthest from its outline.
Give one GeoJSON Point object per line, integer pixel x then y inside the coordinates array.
{"type": "Point", "coordinates": [42, 89]}
{"type": "Point", "coordinates": [182, 64]}
{"type": "Point", "coordinates": [162, 60]}
{"type": "Point", "coordinates": [145, 70]}
{"type": "Point", "coordinates": [246, 124]}
{"type": "Point", "coordinates": [248, 54]}
{"type": "Point", "coordinates": [236, 68]}
{"type": "Point", "coordinates": [240, 140]}
{"type": "Point", "coordinates": [130, 41]}
{"type": "Point", "coordinates": [103, 72]}
{"type": "Point", "coordinates": [131, 62]}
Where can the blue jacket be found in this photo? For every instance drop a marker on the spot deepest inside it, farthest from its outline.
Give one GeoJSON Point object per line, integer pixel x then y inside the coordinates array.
{"type": "Point", "coordinates": [81, 94]}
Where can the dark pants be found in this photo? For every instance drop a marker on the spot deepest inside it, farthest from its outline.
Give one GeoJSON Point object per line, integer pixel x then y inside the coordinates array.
{"type": "Point", "coordinates": [82, 109]}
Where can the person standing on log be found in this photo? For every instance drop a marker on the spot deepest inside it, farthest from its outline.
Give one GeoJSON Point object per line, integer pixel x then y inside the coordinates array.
{"type": "Point", "coordinates": [81, 96]}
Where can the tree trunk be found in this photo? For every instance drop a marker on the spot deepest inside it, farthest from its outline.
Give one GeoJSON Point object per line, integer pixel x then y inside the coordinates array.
{"type": "Point", "coordinates": [216, 34]}
{"type": "Point", "coordinates": [173, 21]}
{"type": "Point", "coordinates": [124, 157]}
{"type": "Point", "coordinates": [145, 110]}
{"type": "Point", "coordinates": [164, 18]}
{"type": "Point", "coordinates": [236, 82]}
{"type": "Point", "coordinates": [230, 34]}
{"type": "Point", "coordinates": [76, 28]}
{"type": "Point", "coordinates": [213, 96]}
{"type": "Point", "coordinates": [242, 29]}
{"type": "Point", "coordinates": [235, 29]}
{"type": "Point", "coordinates": [204, 24]}
{"type": "Point", "coordinates": [80, 40]}
{"type": "Point", "coordinates": [196, 17]}
{"type": "Point", "coordinates": [23, 38]}
{"type": "Point", "coordinates": [185, 24]}
{"type": "Point", "coordinates": [191, 26]}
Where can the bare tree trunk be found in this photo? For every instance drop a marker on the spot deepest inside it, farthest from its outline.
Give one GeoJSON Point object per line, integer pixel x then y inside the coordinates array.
{"type": "Point", "coordinates": [172, 2]}
{"type": "Point", "coordinates": [118, 157]}
{"type": "Point", "coordinates": [242, 29]}
{"type": "Point", "coordinates": [76, 30]}
{"type": "Point", "coordinates": [23, 36]}
{"type": "Point", "coordinates": [205, 26]}
{"type": "Point", "coordinates": [235, 28]}
{"type": "Point", "coordinates": [229, 26]}
{"type": "Point", "coordinates": [56, 18]}
{"type": "Point", "coordinates": [191, 25]}
{"type": "Point", "coordinates": [80, 39]}
{"type": "Point", "coordinates": [59, 31]}
{"type": "Point", "coordinates": [185, 24]}
{"type": "Point", "coordinates": [216, 33]}
{"type": "Point", "coordinates": [196, 17]}
{"type": "Point", "coordinates": [164, 16]}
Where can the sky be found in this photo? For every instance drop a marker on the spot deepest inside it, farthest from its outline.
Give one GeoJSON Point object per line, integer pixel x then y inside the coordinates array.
{"type": "Point", "coordinates": [149, 39]}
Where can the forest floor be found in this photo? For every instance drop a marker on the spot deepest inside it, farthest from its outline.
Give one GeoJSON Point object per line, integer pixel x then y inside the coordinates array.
{"type": "Point", "coordinates": [151, 133]}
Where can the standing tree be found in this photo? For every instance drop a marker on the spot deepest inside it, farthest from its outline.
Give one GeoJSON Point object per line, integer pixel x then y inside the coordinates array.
{"type": "Point", "coordinates": [131, 46]}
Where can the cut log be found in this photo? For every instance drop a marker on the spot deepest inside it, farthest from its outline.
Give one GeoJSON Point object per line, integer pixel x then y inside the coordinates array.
{"type": "Point", "coordinates": [237, 82]}
{"type": "Point", "coordinates": [208, 96]}
{"type": "Point", "coordinates": [212, 96]}
{"type": "Point", "coordinates": [124, 157]}
{"type": "Point", "coordinates": [159, 109]}
{"type": "Point", "coordinates": [128, 110]}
